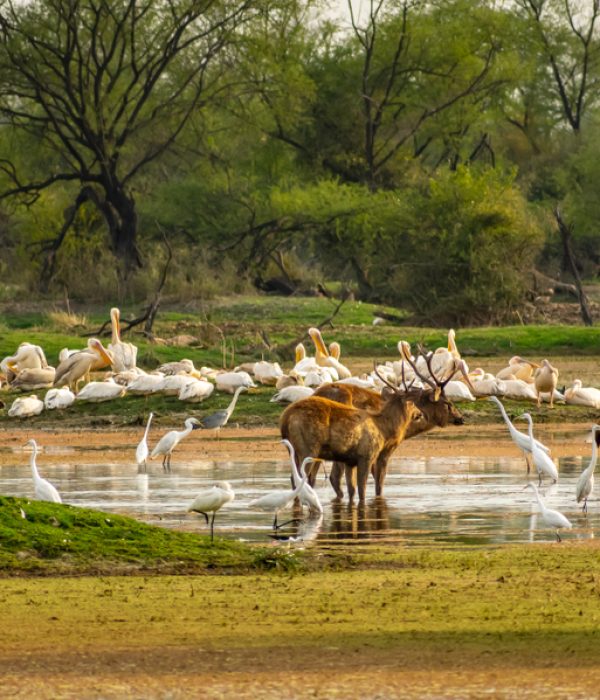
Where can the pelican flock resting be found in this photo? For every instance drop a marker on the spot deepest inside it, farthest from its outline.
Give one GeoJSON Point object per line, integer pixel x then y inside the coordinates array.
{"type": "Point", "coordinates": [27, 369]}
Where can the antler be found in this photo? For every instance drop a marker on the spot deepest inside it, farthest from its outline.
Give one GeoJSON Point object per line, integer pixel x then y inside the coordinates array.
{"type": "Point", "coordinates": [408, 358]}
{"type": "Point", "coordinates": [385, 381]}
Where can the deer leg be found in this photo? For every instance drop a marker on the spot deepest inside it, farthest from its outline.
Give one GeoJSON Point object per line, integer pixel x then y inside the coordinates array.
{"type": "Point", "coordinates": [350, 473]}
{"type": "Point", "coordinates": [363, 471]}
{"type": "Point", "coordinates": [379, 472]}
{"type": "Point", "coordinates": [335, 479]}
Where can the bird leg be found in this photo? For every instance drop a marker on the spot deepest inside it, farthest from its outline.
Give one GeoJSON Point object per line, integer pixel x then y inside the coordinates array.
{"type": "Point", "coordinates": [527, 462]}
{"type": "Point", "coordinates": [287, 522]}
{"type": "Point", "coordinates": [540, 479]}
{"type": "Point", "coordinates": [165, 462]}
{"type": "Point", "coordinates": [558, 539]}
{"type": "Point", "coordinates": [584, 509]}
{"type": "Point", "coordinates": [212, 526]}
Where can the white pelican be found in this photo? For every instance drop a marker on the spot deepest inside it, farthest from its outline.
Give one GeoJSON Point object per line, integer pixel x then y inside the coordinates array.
{"type": "Point", "coordinates": [26, 406]}
{"type": "Point", "coordinates": [145, 384]}
{"type": "Point", "coordinates": [267, 372]}
{"type": "Point", "coordinates": [582, 396]}
{"type": "Point", "coordinates": [551, 517]}
{"type": "Point", "coordinates": [72, 370]}
{"type": "Point", "coordinates": [364, 382]}
{"type": "Point", "coordinates": [542, 462]}
{"type": "Point", "coordinates": [44, 491]}
{"type": "Point", "coordinates": [520, 439]}
{"type": "Point", "coordinates": [59, 398]}
{"type": "Point", "coordinates": [458, 391]}
{"type": "Point", "coordinates": [124, 355]}
{"type": "Point", "coordinates": [443, 360]}
{"type": "Point", "coordinates": [170, 440]}
{"type": "Point", "coordinates": [320, 375]}
{"type": "Point", "coordinates": [280, 499]}
{"type": "Point", "coordinates": [218, 419]}
{"type": "Point", "coordinates": [290, 394]}
{"type": "Point", "coordinates": [324, 358]}
{"type": "Point", "coordinates": [517, 389]}
{"type": "Point", "coordinates": [302, 363]}
{"type": "Point", "coordinates": [212, 500]}
{"type": "Point", "coordinates": [101, 391]}
{"type": "Point", "coordinates": [30, 378]}
{"type": "Point", "coordinates": [184, 365]}
{"type": "Point", "coordinates": [485, 383]}
{"type": "Point", "coordinates": [585, 483]}
{"type": "Point", "coordinates": [518, 368]}
{"type": "Point", "coordinates": [545, 379]}
{"type": "Point", "coordinates": [196, 391]}
{"type": "Point", "coordinates": [307, 496]}
{"type": "Point", "coordinates": [230, 381]}
{"type": "Point", "coordinates": [141, 451]}
{"type": "Point", "coordinates": [28, 356]}
{"type": "Point", "coordinates": [174, 383]}
{"type": "Point", "coordinates": [129, 375]}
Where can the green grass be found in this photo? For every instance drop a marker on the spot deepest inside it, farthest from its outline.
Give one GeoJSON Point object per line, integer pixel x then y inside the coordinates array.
{"type": "Point", "coordinates": [40, 537]}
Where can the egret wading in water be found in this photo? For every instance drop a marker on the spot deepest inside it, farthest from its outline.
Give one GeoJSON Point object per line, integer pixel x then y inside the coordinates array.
{"type": "Point", "coordinates": [278, 500]}
{"type": "Point", "coordinates": [308, 496]}
{"type": "Point", "coordinates": [520, 439]}
{"type": "Point", "coordinates": [585, 483]}
{"type": "Point", "coordinates": [551, 517]}
{"type": "Point", "coordinates": [170, 440]}
{"type": "Point", "coordinates": [541, 461]}
{"type": "Point", "coordinates": [43, 489]}
{"type": "Point", "coordinates": [212, 500]}
{"type": "Point", "coordinates": [215, 421]}
{"type": "Point", "coordinates": [142, 451]}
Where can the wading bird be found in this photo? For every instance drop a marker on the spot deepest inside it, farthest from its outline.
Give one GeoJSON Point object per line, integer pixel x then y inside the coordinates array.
{"type": "Point", "coordinates": [170, 440]}
{"type": "Point", "coordinates": [280, 499]}
{"type": "Point", "coordinates": [541, 461]}
{"type": "Point", "coordinates": [43, 489]}
{"type": "Point", "coordinates": [212, 500]}
{"type": "Point", "coordinates": [142, 451]}
{"type": "Point", "coordinates": [215, 421]}
{"type": "Point", "coordinates": [585, 483]}
{"type": "Point", "coordinates": [308, 496]}
{"type": "Point", "coordinates": [551, 517]}
{"type": "Point", "coordinates": [520, 439]}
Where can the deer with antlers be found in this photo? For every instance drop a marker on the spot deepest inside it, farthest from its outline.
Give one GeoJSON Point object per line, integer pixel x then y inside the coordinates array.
{"type": "Point", "coordinates": [432, 409]}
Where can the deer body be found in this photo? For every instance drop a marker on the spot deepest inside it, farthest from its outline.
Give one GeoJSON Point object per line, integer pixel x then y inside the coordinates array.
{"type": "Point", "coordinates": [357, 437]}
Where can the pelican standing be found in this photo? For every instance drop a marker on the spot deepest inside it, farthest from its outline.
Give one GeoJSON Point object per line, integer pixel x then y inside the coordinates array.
{"type": "Point", "coordinates": [212, 500]}
{"type": "Point", "coordinates": [280, 499]}
{"type": "Point", "coordinates": [551, 517]}
{"type": "Point", "coordinates": [43, 489]}
{"type": "Point", "coordinates": [170, 440]}
{"type": "Point", "coordinates": [542, 462]}
{"type": "Point", "coordinates": [585, 483]}
{"type": "Point", "coordinates": [77, 365]}
{"type": "Point", "coordinates": [545, 379]}
{"type": "Point", "coordinates": [124, 355]}
{"type": "Point", "coordinates": [142, 451]}
{"type": "Point", "coordinates": [520, 439]}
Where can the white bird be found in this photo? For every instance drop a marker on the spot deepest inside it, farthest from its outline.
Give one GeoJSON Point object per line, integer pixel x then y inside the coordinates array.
{"type": "Point", "coordinates": [146, 384]}
{"type": "Point", "coordinates": [141, 451]}
{"type": "Point", "coordinates": [184, 365]}
{"type": "Point", "coordinates": [124, 355]}
{"type": "Point", "coordinates": [517, 389]}
{"type": "Point", "coordinates": [545, 379]}
{"type": "Point", "coordinates": [212, 500]}
{"type": "Point", "coordinates": [290, 394]}
{"type": "Point", "coordinates": [542, 462]}
{"type": "Point", "coordinates": [43, 489]}
{"type": "Point", "coordinates": [97, 392]}
{"type": "Point", "coordinates": [550, 517]}
{"type": "Point", "coordinates": [582, 396]}
{"type": "Point", "coordinates": [79, 364]}
{"type": "Point", "coordinates": [174, 383]}
{"type": "Point", "coordinates": [267, 372]}
{"type": "Point", "coordinates": [520, 439]}
{"type": "Point", "coordinates": [196, 391]}
{"type": "Point", "coordinates": [59, 398]}
{"type": "Point", "coordinates": [26, 406]}
{"type": "Point", "coordinates": [518, 368]}
{"type": "Point", "coordinates": [585, 483]}
{"type": "Point", "coordinates": [230, 381]}
{"type": "Point", "coordinates": [170, 440]}
{"type": "Point", "coordinates": [28, 356]}
{"type": "Point", "coordinates": [486, 384]}
{"type": "Point", "coordinates": [29, 379]}
{"type": "Point", "coordinates": [458, 391]}
{"type": "Point", "coordinates": [280, 499]}
{"type": "Point", "coordinates": [326, 359]}
{"type": "Point", "coordinates": [308, 496]}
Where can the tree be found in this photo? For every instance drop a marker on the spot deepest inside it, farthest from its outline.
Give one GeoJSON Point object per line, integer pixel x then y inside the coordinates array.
{"type": "Point", "coordinates": [106, 87]}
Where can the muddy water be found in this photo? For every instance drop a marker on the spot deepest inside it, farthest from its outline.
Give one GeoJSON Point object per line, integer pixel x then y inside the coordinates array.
{"type": "Point", "coordinates": [449, 487]}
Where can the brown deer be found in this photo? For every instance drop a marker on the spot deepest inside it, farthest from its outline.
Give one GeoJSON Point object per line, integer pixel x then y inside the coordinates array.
{"type": "Point", "coordinates": [357, 437]}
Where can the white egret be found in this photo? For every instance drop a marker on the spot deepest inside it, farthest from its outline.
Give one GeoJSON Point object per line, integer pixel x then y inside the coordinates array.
{"type": "Point", "coordinates": [170, 440]}
{"type": "Point", "coordinates": [585, 483]}
{"type": "Point", "coordinates": [542, 462]}
{"type": "Point", "coordinates": [308, 496]}
{"type": "Point", "coordinates": [43, 489]}
{"type": "Point", "coordinates": [142, 451]}
{"type": "Point", "coordinates": [551, 517]}
{"type": "Point", "coordinates": [212, 500]}
{"type": "Point", "coordinates": [280, 499]}
{"type": "Point", "coordinates": [520, 439]}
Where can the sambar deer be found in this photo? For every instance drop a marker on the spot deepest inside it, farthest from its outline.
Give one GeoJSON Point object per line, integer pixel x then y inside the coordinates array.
{"type": "Point", "coordinates": [357, 437]}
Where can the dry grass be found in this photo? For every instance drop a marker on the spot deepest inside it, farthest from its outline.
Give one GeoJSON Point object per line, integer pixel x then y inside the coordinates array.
{"type": "Point", "coordinates": [66, 320]}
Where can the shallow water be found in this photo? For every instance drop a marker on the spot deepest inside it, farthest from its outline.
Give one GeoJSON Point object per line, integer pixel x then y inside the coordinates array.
{"type": "Point", "coordinates": [466, 500]}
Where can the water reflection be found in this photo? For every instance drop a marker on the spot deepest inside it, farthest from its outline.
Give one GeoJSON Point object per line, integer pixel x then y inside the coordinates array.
{"type": "Point", "coordinates": [468, 500]}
